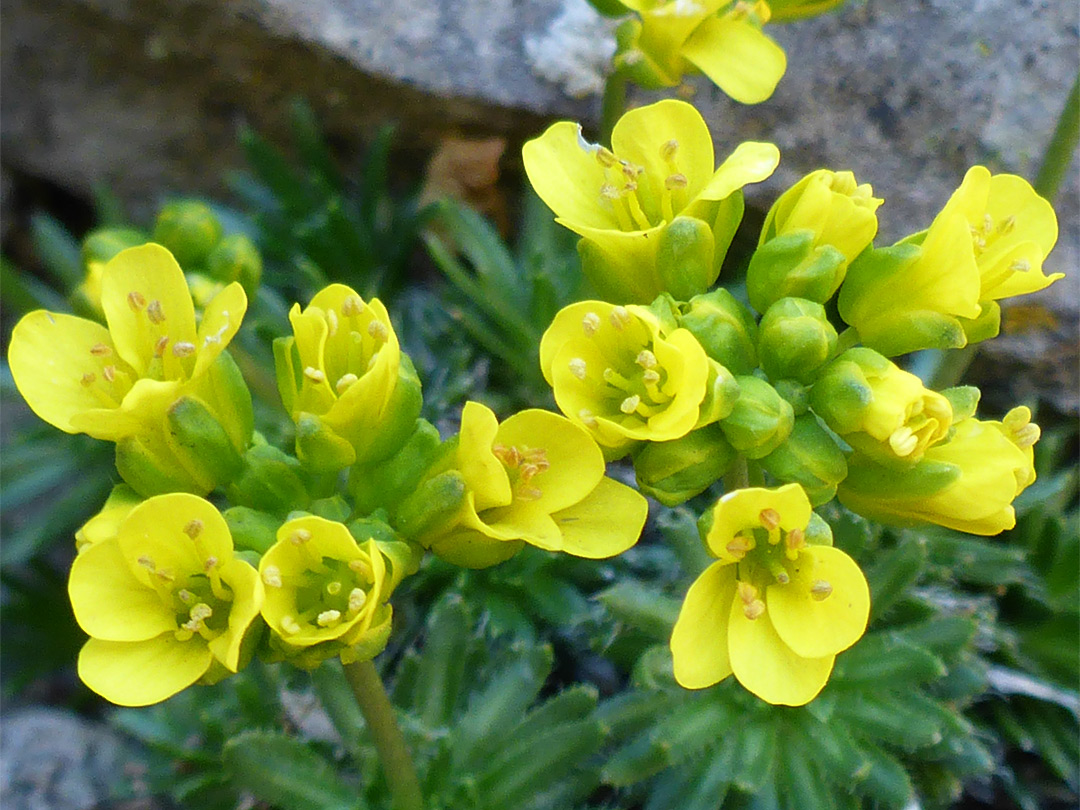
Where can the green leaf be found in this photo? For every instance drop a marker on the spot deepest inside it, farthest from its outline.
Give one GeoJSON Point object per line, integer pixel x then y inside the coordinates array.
{"type": "Point", "coordinates": [643, 607]}
{"type": "Point", "coordinates": [337, 699]}
{"type": "Point", "coordinates": [58, 251]}
{"type": "Point", "coordinates": [894, 571]}
{"type": "Point", "coordinates": [885, 660]}
{"type": "Point", "coordinates": [285, 772]}
{"type": "Point", "coordinates": [442, 664]}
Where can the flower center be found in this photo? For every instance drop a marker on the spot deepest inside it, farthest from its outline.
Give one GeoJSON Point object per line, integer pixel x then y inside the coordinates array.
{"type": "Point", "coordinates": [522, 465]}
{"type": "Point", "coordinates": [765, 554]}
{"type": "Point", "coordinates": [634, 206]}
{"type": "Point", "coordinates": [354, 339]}
{"type": "Point", "coordinates": [984, 235]}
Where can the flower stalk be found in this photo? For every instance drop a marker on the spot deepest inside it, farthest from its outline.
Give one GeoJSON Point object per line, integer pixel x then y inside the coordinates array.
{"type": "Point", "coordinates": [394, 754]}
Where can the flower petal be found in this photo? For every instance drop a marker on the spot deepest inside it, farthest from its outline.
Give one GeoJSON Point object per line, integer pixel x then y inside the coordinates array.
{"type": "Point", "coordinates": [606, 523]}
{"type": "Point", "coordinates": [737, 57]}
{"type": "Point", "coordinates": [248, 592]}
{"type": "Point", "coordinates": [643, 136]}
{"type": "Point", "coordinates": [751, 162]}
{"type": "Point", "coordinates": [484, 474]}
{"type": "Point", "coordinates": [812, 627]}
{"type": "Point", "coordinates": [138, 673]}
{"type": "Point", "coordinates": [50, 355]}
{"type": "Point", "coordinates": [149, 273]}
{"type": "Point", "coordinates": [741, 509]}
{"type": "Point", "coordinates": [563, 169]}
{"type": "Point", "coordinates": [160, 529]}
{"type": "Point", "coordinates": [110, 602]}
{"type": "Point", "coordinates": [699, 642]}
{"type": "Point", "coordinates": [768, 667]}
{"type": "Point", "coordinates": [220, 323]}
{"type": "Point", "coordinates": [576, 463]}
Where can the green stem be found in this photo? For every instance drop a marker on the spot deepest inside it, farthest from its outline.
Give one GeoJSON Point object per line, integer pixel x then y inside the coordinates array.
{"type": "Point", "coordinates": [1062, 146]}
{"type": "Point", "coordinates": [952, 367]}
{"type": "Point", "coordinates": [393, 752]}
{"type": "Point", "coordinates": [847, 339]}
{"type": "Point", "coordinates": [738, 477]}
{"type": "Point", "coordinates": [614, 105]}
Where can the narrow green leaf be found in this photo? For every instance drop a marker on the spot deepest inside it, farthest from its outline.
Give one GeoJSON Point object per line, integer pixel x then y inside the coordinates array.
{"type": "Point", "coordinates": [285, 772]}
{"type": "Point", "coordinates": [340, 705]}
{"type": "Point", "coordinates": [442, 665]}
{"type": "Point", "coordinates": [642, 607]}
{"type": "Point", "coordinates": [58, 251]}
{"type": "Point", "coordinates": [894, 571]}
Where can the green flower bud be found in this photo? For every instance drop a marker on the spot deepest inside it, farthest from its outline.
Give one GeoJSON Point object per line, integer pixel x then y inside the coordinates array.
{"type": "Point", "coordinates": [724, 328]}
{"type": "Point", "coordinates": [190, 230]}
{"type": "Point", "coordinates": [797, 395]}
{"type": "Point", "coordinates": [319, 448]}
{"type": "Point", "coordinates": [684, 257]}
{"type": "Point", "coordinates": [435, 502]}
{"type": "Point", "coordinates": [675, 471]}
{"type": "Point", "coordinates": [964, 400]}
{"type": "Point", "coordinates": [386, 483]}
{"type": "Point", "coordinates": [791, 265]}
{"type": "Point", "coordinates": [880, 409]}
{"type": "Point", "coordinates": [236, 259]}
{"type": "Point", "coordinates": [810, 457]}
{"type": "Point", "coordinates": [201, 443]}
{"type": "Point", "coordinates": [101, 244]}
{"type": "Point", "coordinates": [721, 394]}
{"type": "Point", "coordinates": [270, 481]}
{"type": "Point", "coordinates": [633, 62]}
{"type": "Point", "coordinates": [252, 529]}
{"type": "Point", "coordinates": [760, 421]}
{"type": "Point", "coordinates": [148, 465]}
{"type": "Point", "coordinates": [333, 508]}
{"type": "Point", "coordinates": [795, 339]}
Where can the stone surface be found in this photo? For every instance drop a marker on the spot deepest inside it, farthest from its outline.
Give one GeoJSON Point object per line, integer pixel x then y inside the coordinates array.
{"type": "Point", "coordinates": [54, 760]}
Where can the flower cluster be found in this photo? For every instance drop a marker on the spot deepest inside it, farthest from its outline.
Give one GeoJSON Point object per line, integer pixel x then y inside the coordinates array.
{"type": "Point", "coordinates": [696, 385]}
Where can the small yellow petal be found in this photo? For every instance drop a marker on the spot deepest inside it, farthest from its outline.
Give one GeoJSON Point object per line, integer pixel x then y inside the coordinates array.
{"type": "Point", "coordinates": [699, 642]}
{"type": "Point", "coordinates": [768, 667]}
{"type": "Point", "coordinates": [606, 523]}
{"type": "Point", "coordinates": [139, 673]}
{"type": "Point", "coordinates": [814, 626]}
{"type": "Point", "coordinates": [110, 602]}
{"type": "Point", "coordinates": [737, 57]}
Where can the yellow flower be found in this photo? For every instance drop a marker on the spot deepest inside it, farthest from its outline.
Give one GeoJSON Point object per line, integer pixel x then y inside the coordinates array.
{"type": "Point", "coordinates": [104, 525]}
{"type": "Point", "coordinates": [967, 483]}
{"type": "Point", "coordinates": [1012, 231]}
{"type": "Point", "coordinates": [111, 382]}
{"type": "Point", "coordinates": [345, 367]}
{"type": "Point", "coordinates": [880, 409]}
{"type": "Point", "coordinates": [536, 478]}
{"type": "Point", "coordinates": [826, 220]}
{"type": "Point", "coordinates": [622, 201]}
{"type": "Point", "coordinates": [785, 10]}
{"type": "Point", "coordinates": [719, 38]}
{"type": "Point", "coordinates": [938, 288]}
{"type": "Point", "coordinates": [325, 593]}
{"type": "Point", "coordinates": [164, 602]}
{"type": "Point", "coordinates": [773, 610]}
{"type": "Point", "coordinates": [616, 373]}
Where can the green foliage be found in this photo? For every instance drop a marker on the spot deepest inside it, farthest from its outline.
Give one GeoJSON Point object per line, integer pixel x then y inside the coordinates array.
{"type": "Point", "coordinates": [502, 299]}
{"type": "Point", "coordinates": [317, 227]}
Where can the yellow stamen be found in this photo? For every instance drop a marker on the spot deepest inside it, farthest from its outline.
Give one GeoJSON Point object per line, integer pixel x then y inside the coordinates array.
{"type": "Point", "coordinates": [272, 576]}
{"type": "Point", "coordinates": [619, 317]}
{"type": "Point", "coordinates": [194, 528]}
{"type": "Point", "coordinates": [769, 518]}
{"type": "Point", "coordinates": [590, 323]}
{"type": "Point", "coordinates": [136, 301]}
{"type": "Point", "coordinates": [183, 349]}
{"type": "Point", "coordinates": [342, 385]}
{"type": "Point", "coordinates": [630, 404]}
{"type": "Point", "coordinates": [100, 350]}
{"type": "Point", "coordinates": [903, 441]}
{"type": "Point", "coordinates": [328, 618]}
{"type": "Point", "coordinates": [357, 598]}
{"type": "Point", "coordinates": [154, 312]}
{"type": "Point", "coordinates": [378, 330]}
{"type": "Point", "coordinates": [820, 590]}
{"type": "Point", "coordinates": [314, 374]}
{"type": "Point", "coordinates": [577, 367]}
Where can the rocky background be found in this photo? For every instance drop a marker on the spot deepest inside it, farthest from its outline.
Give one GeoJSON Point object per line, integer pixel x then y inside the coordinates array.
{"type": "Point", "coordinates": [144, 98]}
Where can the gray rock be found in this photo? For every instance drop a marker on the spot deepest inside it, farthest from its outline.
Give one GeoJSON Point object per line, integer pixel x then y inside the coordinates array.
{"type": "Point", "coordinates": [53, 760]}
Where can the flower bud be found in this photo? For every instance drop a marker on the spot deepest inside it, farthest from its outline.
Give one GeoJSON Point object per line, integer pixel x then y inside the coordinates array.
{"type": "Point", "coordinates": [190, 230]}
{"type": "Point", "coordinates": [251, 529]}
{"type": "Point", "coordinates": [149, 466]}
{"type": "Point", "coordinates": [201, 442]}
{"type": "Point", "coordinates": [832, 206]}
{"type": "Point", "coordinates": [675, 471]}
{"type": "Point", "coordinates": [236, 259]}
{"type": "Point", "coordinates": [724, 328]}
{"type": "Point", "coordinates": [967, 483]}
{"type": "Point", "coordinates": [810, 457]}
{"type": "Point", "coordinates": [99, 246]}
{"type": "Point", "coordinates": [880, 409]}
{"type": "Point", "coordinates": [270, 481]}
{"type": "Point", "coordinates": [434, 503]}
{"type": "Point", "coordinates": [760, 421]}
{"type": "Point", "coordinates": [721, 394]}
{"type": "Point", "coordinates": [794, 339]}
{"type": "Point", "coordinates": [386, 483]}
{"type": "Point", "coordinates": [791, 265]}
{"type": "Point", "coordinates": [319, 448]}
{"type": "Point", "coordinates": [684, 257]}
